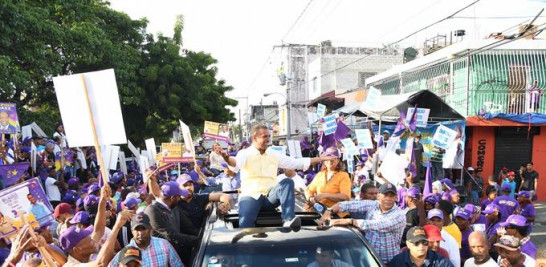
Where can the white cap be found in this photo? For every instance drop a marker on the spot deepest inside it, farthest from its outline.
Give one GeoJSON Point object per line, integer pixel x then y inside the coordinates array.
{"type": "Point", "coordinates": [470, 168]}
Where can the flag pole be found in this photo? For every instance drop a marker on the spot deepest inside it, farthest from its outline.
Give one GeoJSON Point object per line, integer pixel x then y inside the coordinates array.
{"type": "Point", "coordinates": [95, 137]}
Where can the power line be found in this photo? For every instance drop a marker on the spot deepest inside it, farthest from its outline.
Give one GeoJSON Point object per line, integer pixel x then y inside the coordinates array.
{"type": "Point", "coordinates": [508, 17]}
{"type": "Point", "coordinates": [297, 19]}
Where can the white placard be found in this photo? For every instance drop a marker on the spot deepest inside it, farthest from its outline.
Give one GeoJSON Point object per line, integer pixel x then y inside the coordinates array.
{"type": "Point", "coordinates": [26, 131]}
{"type": "Point", "coordinates": [350, 146]}
{"type": "Point", "coordinates": [133, 149]}
{"type": "Point", "coordinates": [122, 162]}
{"type": "Point", "coordinates": [373, 97]}
{"type": "Point", "coordinates": [350, 166]}
{"type": "Point", "coordinates": [312, 118]}
{"type": "Point", "coordinates": [393, 168]}
{"type": "Point", "coordinates": [143, 165]}
{"type": "Point", "coordinates": [294, 148]}
{"type": "Point", "coordinates": [364, 138]}
{"type": "Point", "coordinates": [37, 129]}
{"type": "Point", "coordinates": [152, 151]}
{"type": "Point", "coordinates": [188, 142]}
{"type": "Point", "coordinates": [422, 116]}
{"type": "Point", "coordinates": [330, 125]}
{"type": "Point", "coordinates": [110, 156]}
{"type": "Point", "coordinates": [321, 110]}
{"type": "Point", "coordinates": [102, 93]}
{"type": "Point", "coordinates": [33, 156]}
{"type": "Point", "coordinates": [270, 137]}
{"type": "Point", "coordinates": [443, 137]}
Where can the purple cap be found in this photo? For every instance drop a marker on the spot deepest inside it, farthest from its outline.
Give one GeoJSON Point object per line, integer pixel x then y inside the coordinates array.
{"type": "Point", "coordinates": [432, 198]}
{"type": "Point", "coordinates": [471, 209]}
{"type": "Point", "coordinates": [170, 189]}
{"type": "Point", "coordinates": [360, 163]}
{"type": "Point", "coordinates": [446, 196]}
{"type": "Point", "coordinates": [70, 196]}
{"type": "Point", "coordinates": [72, 236]}
{"type": "Point", "coordinates": [447, 182]}
{"type": "Point", "coordinates": [516, 220]}
{"type": "Point", "coordinates": [80, 217]}
{"type": "Point", "coordinates": [435, 213]}
{"type": "Point", "coordinates": [73, 181]}
{"type": "Point", "coordinates": [194, 176]}
{"type": "Point", "coordinates": [463, 214]}
{"type": "Point", "coordinates": [490, 208]}
{"type": "Point", "coordinates": [117, 177]}
{"type": "Point", "coordinates": [184, 178]}
{"type": "Point", "coordinates": [245, 143]}
{"type": "Point", "coordinates": [199, 162]}
{"type": "Point", "coordinates": [453, 192]}
{"type": "Point", "coordinates": [93, 188]}
{"type": "Point", "coordinates": [525, 194]}
{"type": "Point", "coordinates": [79, 202]}
{"type": "Point", "coordinates": [330, 152]}
{"type": "Point", "coordinates": [413, 192]}
{"type": "Point", "coordinates": [130, 182]}
{"type": "Point", "coordinates": [130, 203]}
{"type": "Point", "coordinates": [506, 187]}
{"type": "Point", "coordinates": [90, 200]}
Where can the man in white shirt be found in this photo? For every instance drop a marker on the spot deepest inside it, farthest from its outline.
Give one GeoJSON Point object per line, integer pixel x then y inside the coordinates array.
{"type": "Point", "coordinates": [299, 183]}
{"type": "Point", "coordinates": [52, 188]}
{"type": "Point", "coordinates": [436, 217]}
{"type": "Point", "coordinates": [479, 248]}
{"type": "Point", "coordinates": [259, 187]}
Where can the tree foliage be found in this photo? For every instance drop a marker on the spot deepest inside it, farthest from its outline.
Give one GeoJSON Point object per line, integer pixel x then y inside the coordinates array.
{"type": "Point", "coordinates": [158, 82]}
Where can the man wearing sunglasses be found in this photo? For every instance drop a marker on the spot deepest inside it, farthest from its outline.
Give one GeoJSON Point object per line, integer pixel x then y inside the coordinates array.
{"type": "Point", "coordinates": [418, 253]}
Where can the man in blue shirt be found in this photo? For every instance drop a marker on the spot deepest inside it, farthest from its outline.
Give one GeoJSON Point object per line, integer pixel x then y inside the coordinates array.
{"type": "Point", "coordinates": [418, 253]}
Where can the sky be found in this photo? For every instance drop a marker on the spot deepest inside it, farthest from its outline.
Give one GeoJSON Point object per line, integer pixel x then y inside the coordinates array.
{"type": "Point", "coordinates": [241, 34]}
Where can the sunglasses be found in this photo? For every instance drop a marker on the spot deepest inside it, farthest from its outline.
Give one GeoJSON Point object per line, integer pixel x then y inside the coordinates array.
{"type": "Point", "coordinates": [422, 242]}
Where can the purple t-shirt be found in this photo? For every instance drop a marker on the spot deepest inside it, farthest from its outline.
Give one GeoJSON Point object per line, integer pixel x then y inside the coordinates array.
{"type": "Point", "coordinates": [529, 211]}
{"type": "Point", "coordinates": [507, 206]}
{"type": "Point", "coordinates": [485, 202]}
{"type": "Point", "coordinates": [480, 223]}
{"type": "Point", "coordinates": [528, 247]}
{"type": "Point", "coordinates": [492, 230]}
{"type": "Point", "coordinates": [465, 247]}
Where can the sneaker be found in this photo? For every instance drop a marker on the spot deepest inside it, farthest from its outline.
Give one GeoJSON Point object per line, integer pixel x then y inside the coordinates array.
{"type": "Point", "coordinates": [294, 224]}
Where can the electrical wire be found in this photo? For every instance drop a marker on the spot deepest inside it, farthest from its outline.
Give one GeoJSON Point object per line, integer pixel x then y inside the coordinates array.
{"type": "Point", "coordinates": [297, 20]}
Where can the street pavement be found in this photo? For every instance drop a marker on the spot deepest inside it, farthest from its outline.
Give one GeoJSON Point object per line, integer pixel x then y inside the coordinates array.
{"type": "Point", "coordinates": [538, 236]}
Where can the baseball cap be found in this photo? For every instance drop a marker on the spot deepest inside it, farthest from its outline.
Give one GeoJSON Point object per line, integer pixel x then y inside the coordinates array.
{"type": "Point", "coordinates": [330, 152]}
{"type": "Point", "coordinates": [447, 182]}
{"type": "Point", "coordinates": [80, 217]}
{"type": "Point", "coordinates": [385, 132]}
{"type": "Point", "coordinates": [453, 192]}
{"type": "Point", "coordinates": [93, 188]}
{"type": "Point", "coordinates": [413, 192]}
{"type": "Point", "coordinates": [506, 187]}
{"type": "Point", "coordinates": [471, 209]}
{"type": "Point", "coordinates": [461, 213]}
{"type": "Point", "coordinates": [129, 254]}
{"type": "Point", "coordinates": [387, 188]}
{"type": "Point", "coordinates": [416, 234]}
{"type": "Point", "coordinates": [79, 203]}
{"type": "Point", "coordinates": [171, 188]}
{"type": "Point", "coordinates": [360, 163]}
{"type": "Point", "coordinates": [132, 195]}
{"type": "Point", "coordinates": [73, 181]}
{"type": "Point", "coordinates": [130, 182]}
{"type": "Point", "coordinates": [446, 196]}
{"type": "Point", "coordinates": [525, 194]}
{"type": "Point", "coordinates": [130, 203]}
{"type": "Point", "coordinates": [490, 208]}
{"type": "Point", "coordinates": [511, 173]}
{"type": "Point", "coordinates": [435, 213]}
{"type": "Point", "coordinates": [470, 169]}
{"type": "Point", "coordinates": [70, 196]}
{"type": "Point", "coordinates": [73, 235]}
{"type": "Point", "coordinates": [508, 242]}
{"type": "Point", "coordinates": [140, 219]}
{"type": "Point", "coordinates": [432, 198]}
{"type": "Point", "coordinates": [433, 233]}
{"type": "Point", "coordinates": [62, 209]}
{"type": "Point", "coordinates": [516, 220]}
{"type": "Point", "coordinates": [117, 177]}
{"type": "Point", "coordinates": [184, 178]}
{"type": "Point", "coordinates": [90, 200]}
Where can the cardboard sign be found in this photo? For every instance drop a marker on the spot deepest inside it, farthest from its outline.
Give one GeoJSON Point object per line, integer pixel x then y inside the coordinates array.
{"type": "Point", "coordinates": [26, 131]}
{"type": "Point", "coordinates": [122, 162]}
{"type": "Point", "coordinates": [350, 146]}
{"type": "Point", "coordinates": [188, 141]}
{"type": "Point", "coordinates": [143, 165]}
{"type": "Point", "coordinates": [330, 124]}
{"type": "Point", "coordinates": [105, 109]}
{"type": "Point", "coordinates": [321, 110]}
{"type": "Point", "coordinates": [364, 138]}
{"type": "Point", "coordinates": [33, 157]}
{"type": "Point", "coordinates": [26, 199]}
{"type": "Point", "coordinates": [172, 152]}
{"type": "Point", "coordinates": [294, 148]}
{"type": "Point", "coordinates": [133, 149]}
{"type": "Point", "coordinates": [212, 128]}
{"type": "Point", "coordinates": [373, 97]}
{"type": "Point", "coordinates": [9, 122]}
{"type": "Point", "coordinates": [422, 116]}
{"type": "Point", "coordinates": [110, 156]}
{"type": "Point", "coordinates": [443, 137]}
{"type": "Point", "coordinates": [150, 147]}
{"type": "Point", "coordinates": [312, 118]}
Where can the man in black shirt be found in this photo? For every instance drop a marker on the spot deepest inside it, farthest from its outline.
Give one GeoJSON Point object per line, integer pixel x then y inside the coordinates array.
{"type": "Point", "coordinates": [413, 195]}
{"type": "Point", "coordinates": [418, 154]}
{"type": "Point", "coordinates": [529, 178]}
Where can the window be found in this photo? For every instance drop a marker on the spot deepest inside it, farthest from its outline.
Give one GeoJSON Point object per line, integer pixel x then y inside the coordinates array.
{"type": "Point", "coordinates": [362, 76]}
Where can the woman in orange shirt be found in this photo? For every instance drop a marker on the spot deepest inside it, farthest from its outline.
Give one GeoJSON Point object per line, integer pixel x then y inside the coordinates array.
{"type": "Point", "coordinates": [331, 184]}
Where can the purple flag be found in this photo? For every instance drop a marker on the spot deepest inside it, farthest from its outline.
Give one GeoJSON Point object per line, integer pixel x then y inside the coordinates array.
{"type": "Point", "coordinates": [13, 172]}
{"type": "Point", "coordinates": [413, 120]}
{"type": "Point", "coordinates": [413, 165]}
{"type": "Point", "coordinates": [428, 182]}
{"type": "Point", "coordinates": [327, 140]}
{"type": "Point", "coordinates": [342, 130]}
{"type": "Point", "coordinates": [400, 125]}
{"type": "Point", "coordinates": [381, 142]}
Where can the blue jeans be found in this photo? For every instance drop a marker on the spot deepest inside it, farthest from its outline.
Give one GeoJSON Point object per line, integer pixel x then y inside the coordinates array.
{"type": "Point", "coordinates": [281, 195]}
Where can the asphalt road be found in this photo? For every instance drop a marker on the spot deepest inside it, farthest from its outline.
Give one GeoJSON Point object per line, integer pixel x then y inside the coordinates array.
{"type": "Point", "coordinates": [538, 236]}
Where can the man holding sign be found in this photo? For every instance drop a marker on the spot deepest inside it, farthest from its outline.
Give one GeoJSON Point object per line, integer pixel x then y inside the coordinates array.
{"type": "Point", "coordinates": [259, 187]}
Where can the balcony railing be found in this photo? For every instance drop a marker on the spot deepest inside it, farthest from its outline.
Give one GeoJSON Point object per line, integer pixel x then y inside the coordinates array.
{"type": "Point", "coordinates": [509, 102]}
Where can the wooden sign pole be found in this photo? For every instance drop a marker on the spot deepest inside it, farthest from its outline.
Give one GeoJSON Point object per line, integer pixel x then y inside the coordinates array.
{"type": "Point", "coordinates": [103, 170]}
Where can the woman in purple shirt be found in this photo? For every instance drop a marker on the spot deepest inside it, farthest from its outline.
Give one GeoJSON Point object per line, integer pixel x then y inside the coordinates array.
{"type": "Point", "coordinates": [527, 208]}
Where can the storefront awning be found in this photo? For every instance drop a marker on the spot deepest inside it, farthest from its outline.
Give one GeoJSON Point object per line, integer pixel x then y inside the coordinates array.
{"type": "Point", "coordinates": [328, 99]}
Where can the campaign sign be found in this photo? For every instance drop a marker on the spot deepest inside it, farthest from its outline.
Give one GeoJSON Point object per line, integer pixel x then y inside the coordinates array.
{"type": "Point", "coordinates": [330, 124]}
{"type": "Point", "coordinates": [189, 154]}
{"type": "Point", "coordinates": [24, 202]}
{"type": "Point", "coordinates": [171, 152]}
{"type": "Point", "coordinates": [372, 98]}
{"type": "Point", "coordinates": [443, 137]}
{"type": "Point", "coordinates": [350, 146]}
{"type": "Point", "coordinates": [212, 131]}
{"type": "Point", "coordinates": [9, 122]}
{"type": "Point", "coordinates": [350, 166]}
{"type": "Point", "coordinates": [321, 110]}
{"type": "Point", "coordinates": [364, 138]}
{"type": "Point", "coordinates": [422, 116]}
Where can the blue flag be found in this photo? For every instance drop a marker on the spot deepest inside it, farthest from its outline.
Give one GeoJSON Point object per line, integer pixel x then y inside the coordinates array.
{"type": "Point", "coordinates": [13, 172]}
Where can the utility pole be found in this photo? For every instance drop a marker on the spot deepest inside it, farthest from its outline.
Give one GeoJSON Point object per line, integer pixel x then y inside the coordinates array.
{"type": "Point", "coordinates": [288, 121]}
{"type": "Point", "coordinates": [240, 128]}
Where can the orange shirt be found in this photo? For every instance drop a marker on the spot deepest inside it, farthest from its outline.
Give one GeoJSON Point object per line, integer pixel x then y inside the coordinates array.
{"type": "Point", "coordinates": [339, 183]}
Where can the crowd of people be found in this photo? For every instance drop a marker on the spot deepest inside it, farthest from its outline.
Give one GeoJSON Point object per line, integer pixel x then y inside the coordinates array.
{"type": "Point", "coordinates": [156, 218]}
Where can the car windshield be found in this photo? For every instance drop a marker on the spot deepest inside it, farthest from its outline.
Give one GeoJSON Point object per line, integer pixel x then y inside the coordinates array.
{"type": "Point", "coordinates": [340, 251]}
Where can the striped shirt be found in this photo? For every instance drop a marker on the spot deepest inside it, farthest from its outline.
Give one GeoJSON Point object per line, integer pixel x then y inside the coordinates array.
{"type": "Point", "coordinates": [159, 253]}
{"type": "Point", "coordinates": [383, 230]}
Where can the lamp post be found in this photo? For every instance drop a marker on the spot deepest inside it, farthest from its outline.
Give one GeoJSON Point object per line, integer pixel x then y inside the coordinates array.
{"type": "Point", "coordinates": [288, 122]}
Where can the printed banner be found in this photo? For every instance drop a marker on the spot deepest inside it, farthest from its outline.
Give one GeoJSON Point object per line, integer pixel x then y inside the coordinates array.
{"type": "Point", "coordinates": [24, 202]}
{"type": "Point", "coordinates": [330, 124]}
{"type": "Point", "coordinates": [422, 116]}
{"type": "Point", "coordinates": [364, 138]}
{"type": "Point", "coordinates": [13, 172]}
{"type": "Point", "coordinates": [9, 122]}
{"type": "Point", "coordinates": [321, 110]}
{"type": "Point", "coordinates": [350, 166]}
{"type": "Point", "coordinates": [350, 146]}
{"type": "Point", "coordinates": [172, 152]}
{"type": "Point", "coordinates": [215, 130]}
{"type": "Point", "coordinates": [443, 137]}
